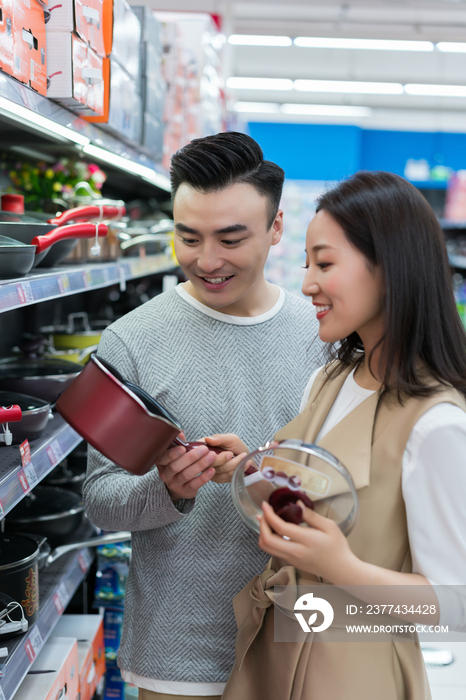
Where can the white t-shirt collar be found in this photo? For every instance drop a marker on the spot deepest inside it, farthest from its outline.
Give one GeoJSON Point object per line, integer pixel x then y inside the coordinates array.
{"type": "Point", "coordinates": [226, 318]}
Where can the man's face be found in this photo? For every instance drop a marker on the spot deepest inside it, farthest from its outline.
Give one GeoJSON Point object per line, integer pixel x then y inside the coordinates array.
{"type": "Point", "coordinates": [222, 242]}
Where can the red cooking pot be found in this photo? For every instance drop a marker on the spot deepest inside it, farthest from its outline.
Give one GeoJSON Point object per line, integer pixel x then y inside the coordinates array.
{"type": "Point", "coordinates": [119, 418]}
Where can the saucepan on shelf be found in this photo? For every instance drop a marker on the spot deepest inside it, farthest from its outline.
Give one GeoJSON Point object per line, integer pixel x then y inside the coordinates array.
{"type": "Point", "coordinates": [23, 227]}
{"type": "Point", "coordinates": [289, 471]}
{"type": "Point", "coordinates": [34, 416]}
{"type": "Point", "coordinates": [21, 557]}
{"type": "Point", "coordinates": [42, 377]}
{"type": "Point", "coordinates": [119, 418]}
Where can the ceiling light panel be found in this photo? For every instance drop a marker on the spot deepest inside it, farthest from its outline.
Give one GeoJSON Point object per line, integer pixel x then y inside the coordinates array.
{"type": "Point", "coordinates": [260, 83]}
{"type": "Point", "coordinates": [435, 90]}
{"type": "Point", "coordinates": [348, 86]}
{"type": "Point", "coordinates": [257, 107]}
{"type": "Point", "coordinates": [364, 44]}
{"type": "Point", "coordinates": [451, 46]}
{"type": "Point", "coordinates": [258, 40]}
{"type": "Point", "coordinates": [326, 110]}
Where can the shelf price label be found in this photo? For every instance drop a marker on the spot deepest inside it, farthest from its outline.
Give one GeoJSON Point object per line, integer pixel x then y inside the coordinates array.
{"type": "Point", "coordinates": [2, 511]}
{"type": "Point", "coordinates": [55, 452]}
{"type": "Point", "coordinates": [63, 283]}
{"type": "Point", "coordinates": [24, 483]}
{"type": "Point", "coordinates": [61, 598]}
{"type": "Point", "coordinates": [25, 293]}
{"type": "Point", "coordinates": [84, 560]}
{"type": "Point", "coordinates": [25, 452]}
{"type": "Point", "coordinates": [33, 644]}
{"type": "Point", "coordinates": [87, 278]}
{"type": "Point", "coordinates": [31, 475]}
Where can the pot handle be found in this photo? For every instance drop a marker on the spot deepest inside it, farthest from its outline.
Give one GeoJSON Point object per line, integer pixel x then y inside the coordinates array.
{"type": "Point", "coordinates": [103, 539]}
{"type": "Point", "coordinates": [89, 212]}
{"type": "Point", "coordinates": [10, 414]}
{"type": "Point", "coordinates": [191, 445]}
{"type": "Point", "coordinates": [72, 231]}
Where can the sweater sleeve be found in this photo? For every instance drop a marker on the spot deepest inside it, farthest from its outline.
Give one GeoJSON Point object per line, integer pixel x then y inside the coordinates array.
{"type": "Point", "coordinates": [115, 499]}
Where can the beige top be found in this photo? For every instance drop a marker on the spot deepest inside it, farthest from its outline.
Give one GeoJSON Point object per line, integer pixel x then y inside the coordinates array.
{"type": "Point", "coordinates": [370, 442]}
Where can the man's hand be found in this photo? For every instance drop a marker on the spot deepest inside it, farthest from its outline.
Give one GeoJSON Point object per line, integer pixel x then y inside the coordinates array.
{"type": "Point", "coordinates": [183, 473]}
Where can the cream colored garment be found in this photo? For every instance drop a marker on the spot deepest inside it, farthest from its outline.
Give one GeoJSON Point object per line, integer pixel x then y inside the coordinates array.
{"type": "Point", "coordinates": [370, 442]}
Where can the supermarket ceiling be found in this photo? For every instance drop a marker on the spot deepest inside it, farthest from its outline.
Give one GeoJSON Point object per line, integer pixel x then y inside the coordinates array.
{"type": "Point", "coordinates": [420, 84]}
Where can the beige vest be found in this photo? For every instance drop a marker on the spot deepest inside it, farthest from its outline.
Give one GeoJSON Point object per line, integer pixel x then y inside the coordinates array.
{"type": "Point", "coordinates": [370, 442]}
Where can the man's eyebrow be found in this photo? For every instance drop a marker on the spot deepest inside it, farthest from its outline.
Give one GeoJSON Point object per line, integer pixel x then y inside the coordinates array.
{"type": "Point", "coordinates": [234, 228]}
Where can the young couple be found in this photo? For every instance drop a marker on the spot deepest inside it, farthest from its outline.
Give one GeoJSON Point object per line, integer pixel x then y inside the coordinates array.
{"type": "Point", "coordinates": [227, 351]}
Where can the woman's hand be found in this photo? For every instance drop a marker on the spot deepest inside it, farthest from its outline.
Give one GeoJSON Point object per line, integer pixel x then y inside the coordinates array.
{"type": "Point", "coordinates": [226, 462]}
{"type": "Point", "coordinates": [320, 549]}
{"type": "Point", "coordinates": [229, 441]}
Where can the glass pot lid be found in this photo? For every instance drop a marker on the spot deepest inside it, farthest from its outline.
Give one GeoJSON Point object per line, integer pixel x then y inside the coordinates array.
{"type": "Point", "coordinates": [299, 470]}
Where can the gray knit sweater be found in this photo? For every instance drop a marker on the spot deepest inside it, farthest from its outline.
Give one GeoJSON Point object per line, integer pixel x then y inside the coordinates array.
{"type": "Point", "coordinates": [216, 374]}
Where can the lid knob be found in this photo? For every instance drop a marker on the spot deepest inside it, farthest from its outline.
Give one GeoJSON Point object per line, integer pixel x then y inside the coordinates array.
{"type": "Point", "coordinates": [13, 203]}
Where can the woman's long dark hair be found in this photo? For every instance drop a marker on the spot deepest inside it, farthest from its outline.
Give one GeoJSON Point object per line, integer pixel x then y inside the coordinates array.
{"type": "Point", "coordinates": [389, 221]}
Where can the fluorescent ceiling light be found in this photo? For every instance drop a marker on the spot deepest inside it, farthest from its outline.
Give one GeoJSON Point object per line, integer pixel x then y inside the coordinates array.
{"type": "Point", "coordinates": [436, 90]}
{"type": "Point", "coordinates": [259, 107]}
{"type": "Point", "coordinates": [451, 46]}
{"type": "Point", "coordinates": [260, 83]}
{"type": "Point", "coordinates": [348, 86]}
{"type": "Point", "coordinates": [326, 110]}
{"type": "Point", "coordinates": [43, 125]}
{"type": "Point", "coordinates": [129, 166]}
{"type": "Point", "coordinates": [317, 42]}
{"type": "Point", "coordinates": [257, 40]}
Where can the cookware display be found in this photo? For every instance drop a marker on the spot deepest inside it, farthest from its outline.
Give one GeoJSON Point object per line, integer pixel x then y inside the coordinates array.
{"type": "Point", "coordinates": [119, 418]}
{"type": "Point", "coordinates": [69, 474]}
{"type": "Point", "coordinates": [10, 413]}
{"type": "Point", "coordinates": [15, 224]}
{"type": "Point", "coordinates": [41, 377]}
{"type": "Point", "coordinates": [34, 416]}
{"type": "Point", "coordinates": [49, 511]}
{"type": "Point", "coordinates": [21, 557]}
{"type": "Point", "coordinates": [291, 470]}
{"type": "Point", "coordinates": [78, 333]}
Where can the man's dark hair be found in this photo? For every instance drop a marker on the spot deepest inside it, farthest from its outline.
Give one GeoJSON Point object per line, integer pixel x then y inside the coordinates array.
{"type": "Point", "coordinates": [215, 162]}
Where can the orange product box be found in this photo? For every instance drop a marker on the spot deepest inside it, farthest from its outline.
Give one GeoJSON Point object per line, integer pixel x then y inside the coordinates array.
{"type": "Point", "coordinates": [75, 74]}
{"type": "Point", "coordinates": [90, 19]}
{"type": "Point", "coordinates": [6, 36]}
{"type": "Point", "coordinates": [54, 673]}
{"type": "Point", "coordinates": [89, 630]}
{"type": "Point", "coordinates": [30, 44]}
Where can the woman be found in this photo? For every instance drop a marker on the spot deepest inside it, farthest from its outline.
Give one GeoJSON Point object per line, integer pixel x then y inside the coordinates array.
{"type": "Point", "coordinates": [391, 407]}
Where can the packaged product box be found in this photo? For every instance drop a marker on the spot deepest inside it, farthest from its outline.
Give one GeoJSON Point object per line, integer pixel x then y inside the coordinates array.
{"type": "Point", "coordinates": [89, 629]}
{"type": "Point", "coordinates": [6, 36]}
{"type": "Point", "coordinates": [30, 44]}
{"type": "Point", "coordinates": [126, 38]}
{"type": "Point", "coordinates": [54, 673]}
{"type": "Point", "coordinates": [151, 29]}
{"type": "Point", "coordinates": [90, 19]}
{"type": "Point", "coordinates": [152, 138]}
{"type": "Point", "coordinates": [75, 74]}
{"type": "Point", "coordinates": [124, 115]}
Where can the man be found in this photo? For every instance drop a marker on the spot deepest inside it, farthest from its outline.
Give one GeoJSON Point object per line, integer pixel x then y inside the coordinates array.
{"type": "Point", "coordinates": [226, 351]}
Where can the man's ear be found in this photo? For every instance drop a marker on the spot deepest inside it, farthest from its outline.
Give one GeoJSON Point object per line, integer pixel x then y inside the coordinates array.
{"type": "Point", "coordinates": [277, 228]}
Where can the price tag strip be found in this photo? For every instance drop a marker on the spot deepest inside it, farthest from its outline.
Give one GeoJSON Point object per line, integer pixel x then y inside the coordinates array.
{"type": "Point", "coordinates": [25, 293]}
{"type": "Point", "coordinates": [84, 560]}
{"type": "Point", "coordinates": [33, 644]}
{"type": "Point", "coordinates": [61, 598]}
{"type": "Point", "coordinates": [31, 475]}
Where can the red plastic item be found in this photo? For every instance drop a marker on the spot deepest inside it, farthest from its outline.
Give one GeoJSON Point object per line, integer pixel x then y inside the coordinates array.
{"type": "Point", "coordinates": [10, 414]}
{"type": "Point", "coordinates": [98, 212]}
{"type": "Point", "coordinates": [71, 231]}
{"type": "Point", "coordinates": [13, 203]}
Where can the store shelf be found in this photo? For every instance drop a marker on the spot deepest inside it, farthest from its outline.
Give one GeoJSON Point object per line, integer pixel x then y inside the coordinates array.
{"type": "Point", "coordinates": [451, 224]}
{"type": "Point", "coordinates": [45, 284]}
{"type": "Point", "coordinates": [57, 441]}
{"type": "Point", "coordinates": [74, 132]}
{"type": "Point", "coordinates": [57, 585]}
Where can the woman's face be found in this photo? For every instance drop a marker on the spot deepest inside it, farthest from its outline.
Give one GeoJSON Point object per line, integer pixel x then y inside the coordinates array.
{"type": "Point", "coordinates": [348, 296]}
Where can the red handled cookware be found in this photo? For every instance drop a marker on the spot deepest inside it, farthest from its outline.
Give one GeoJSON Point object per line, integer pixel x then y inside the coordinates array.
{"type": "Point", "coordinates": [21, 556]}
{"type": "Point", "coordinates": [15, 224]}
{"type": "Point", "coordinates": [34, 416]}
{"type": "Point", "coordinates": [43, 377]}
{"type": "Point", "coordinates": [8, 414]}
{"type": "Point", "coordinates": [119, 418]}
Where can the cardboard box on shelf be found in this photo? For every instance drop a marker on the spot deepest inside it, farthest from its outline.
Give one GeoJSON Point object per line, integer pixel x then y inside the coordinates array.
{"type": "Point", "coordinates": [90, 19]}
{"type": "Point", "coordinates": [30, 45]}
{"type": "Point", "coordinates": [89, 629]}
{"type": "Point", "coordinates": [126, 38]}
{"type": "Point", "coordinates": [75, 74]}
{"type": "Point", "coordinates": [151, 29]}
{"type": "Point", "coordinates": [56, 672]}
{"type": "Point", "coordinates": [6, 36]}
{"type": "Point", "coordinates": [124, 112]}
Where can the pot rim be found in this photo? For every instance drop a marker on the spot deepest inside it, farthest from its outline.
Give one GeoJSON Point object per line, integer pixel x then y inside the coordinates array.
{"type": "Point", "coordinates": [55, 377]}
{"type": "Point", "coordinates": [20, 562]}
{"type": "Point", "coordinates": [46, 518]}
